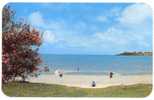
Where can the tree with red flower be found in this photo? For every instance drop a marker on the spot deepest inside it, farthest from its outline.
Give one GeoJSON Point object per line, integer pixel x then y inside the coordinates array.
{"type": "Point", "coordinates": [20, 44]}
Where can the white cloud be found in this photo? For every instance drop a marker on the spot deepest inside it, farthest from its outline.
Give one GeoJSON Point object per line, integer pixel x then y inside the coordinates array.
{"type": "Point", "coordinates": [126, 40]}
{"type": "Point", "coordinates": [116, 38]}
{"type": "Point", "coordinates": [50, 28]}
{"type": "Point", "coordinates": [135, 14]}
{"type": "Point", "coordinates": [113, 36]}
{"type": "Point", "coordinates": [36, 19]}
{"type": "Point", "coordinates": [131, 30]}
{"type": "Point", "coordinates": [49, 37]}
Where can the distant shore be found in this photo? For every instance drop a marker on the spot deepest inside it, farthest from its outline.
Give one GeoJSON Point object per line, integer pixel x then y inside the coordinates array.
{"type": "Point", "coordinates": [84, 81]}
{"type": "Point", "coordinates": [135, 54]}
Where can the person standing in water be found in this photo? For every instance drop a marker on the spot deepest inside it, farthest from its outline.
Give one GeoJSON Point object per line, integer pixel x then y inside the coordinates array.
{"type": "Point", "coordinates": [111, 75]}
{"type": "Point", "coordinates": [78, 69]}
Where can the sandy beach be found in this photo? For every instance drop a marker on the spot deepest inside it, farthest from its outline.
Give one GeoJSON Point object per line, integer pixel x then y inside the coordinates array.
{"type": "Point", "coordinates": [84, 81]}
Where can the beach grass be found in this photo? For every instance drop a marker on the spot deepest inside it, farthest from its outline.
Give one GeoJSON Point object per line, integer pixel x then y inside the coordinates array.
{"type": "Point", "coordinates": [16, 89]}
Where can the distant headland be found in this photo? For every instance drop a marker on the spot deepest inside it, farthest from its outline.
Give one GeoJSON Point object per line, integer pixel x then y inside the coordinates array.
{"type": "Point", "coordinates": [147, 53]}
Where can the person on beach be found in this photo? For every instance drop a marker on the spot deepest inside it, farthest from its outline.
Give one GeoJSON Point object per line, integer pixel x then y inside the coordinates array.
{"type": "Point", "coordinates": [60, 74]}
{"type": "Point", "coordinates": [111, 75]}
{"type": "Point", "coordinates": [78, 69]}
{"type": "Point", "coordinates": [93, 84]}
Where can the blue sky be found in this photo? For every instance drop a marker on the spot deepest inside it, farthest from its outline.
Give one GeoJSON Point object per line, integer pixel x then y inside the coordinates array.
{"type": "Point", "coordinates": [84, 28]}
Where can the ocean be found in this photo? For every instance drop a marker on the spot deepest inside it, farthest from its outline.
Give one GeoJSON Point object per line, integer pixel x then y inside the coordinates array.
{"type": "Point", "coordinates": [98, 64]}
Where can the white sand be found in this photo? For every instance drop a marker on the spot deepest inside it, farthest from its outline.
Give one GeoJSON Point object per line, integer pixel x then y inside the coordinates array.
{"type": "Point", "coordinates": [84, 81]}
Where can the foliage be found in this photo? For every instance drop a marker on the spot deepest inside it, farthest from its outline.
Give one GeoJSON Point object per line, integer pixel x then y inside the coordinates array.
{"type": "Point", "coordinates": [20, 44]}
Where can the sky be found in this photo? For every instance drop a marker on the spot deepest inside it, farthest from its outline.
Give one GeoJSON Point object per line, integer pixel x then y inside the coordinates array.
{"type": "Point", "coordinates": [89, 28]}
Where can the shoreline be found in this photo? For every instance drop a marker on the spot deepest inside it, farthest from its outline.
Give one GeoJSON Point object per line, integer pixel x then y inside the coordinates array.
{"type": "Point", "coordinates": [84, 81]}
{"type": "Point", "coordinates": [96, 73]}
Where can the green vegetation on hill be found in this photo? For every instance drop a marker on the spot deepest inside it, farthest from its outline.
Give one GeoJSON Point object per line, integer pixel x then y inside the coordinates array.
{"type": "Point", "coordinates": [136, 53]}
{"type": "Point", "coordinates": [36, 89]}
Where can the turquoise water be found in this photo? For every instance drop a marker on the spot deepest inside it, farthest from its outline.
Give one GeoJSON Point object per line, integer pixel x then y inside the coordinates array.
{"type": "Point", "coordinates": [98, 64]}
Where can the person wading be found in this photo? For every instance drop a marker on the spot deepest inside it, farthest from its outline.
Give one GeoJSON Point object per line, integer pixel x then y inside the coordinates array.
{"type": "Point", "coordinates": [111, 75]}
